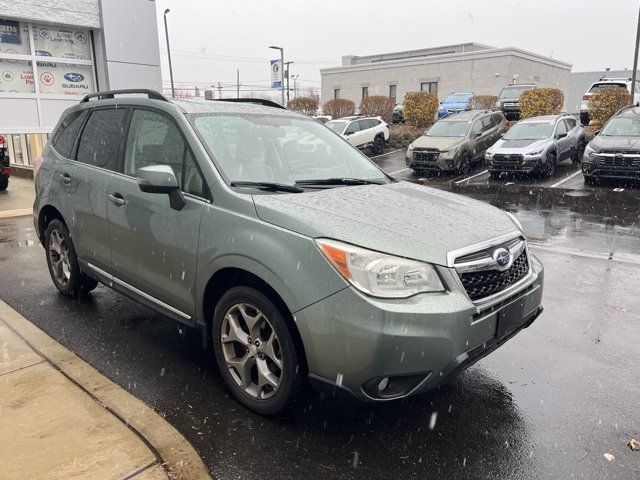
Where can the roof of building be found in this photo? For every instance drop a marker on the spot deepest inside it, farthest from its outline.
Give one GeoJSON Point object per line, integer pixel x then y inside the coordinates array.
{"type": "Point", "coordinates": [452, 53]}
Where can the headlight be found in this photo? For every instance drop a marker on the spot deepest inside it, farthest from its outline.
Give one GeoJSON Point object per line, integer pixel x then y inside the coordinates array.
{"type": "Point", "coordinates": [450, 152]}
{"type": "Point", "coordinates": [409, 150]}
{"type": "Point", "coordinates": [590, 153]}
{"type": "Point", "coordinates": [533, 154]}
{"type": "Point", "coordinates": [488, 155]}
{"type": "Point", "coordinates": [378, 274]}
{"type": "Point", "coordinates": [497, 105]}
{"type": "Point", "coordinates": [515, 220]}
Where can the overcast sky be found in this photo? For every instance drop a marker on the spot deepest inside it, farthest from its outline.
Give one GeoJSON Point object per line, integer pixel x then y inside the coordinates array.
{"type": "Point", "coordinates": [211, 39]}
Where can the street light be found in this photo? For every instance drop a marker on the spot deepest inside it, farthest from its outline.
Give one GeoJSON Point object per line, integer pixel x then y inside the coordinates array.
{"type": "Point", "coordinates": [281, 72]}
{"type": "Point", "coordinates": [295, 85]}
{"type": "Point", "coordinates": [166, 32]}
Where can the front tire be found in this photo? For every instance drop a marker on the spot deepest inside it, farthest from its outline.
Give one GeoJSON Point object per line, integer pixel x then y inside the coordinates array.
{"type": "Point", "coordinates": [63, 262]}
{"type": "Point", "coordinates": [550, 167]}
{"type": "Point", "coordinates": [591, 180]}
{"type": "Point", "coordinates": [577, 157]}
{"type": "Point", "coordinates": [255, 351]}
{"type": "Point", "coordinates": [378, 146]}
{"type": "Point", "coordinates": [4, 183]}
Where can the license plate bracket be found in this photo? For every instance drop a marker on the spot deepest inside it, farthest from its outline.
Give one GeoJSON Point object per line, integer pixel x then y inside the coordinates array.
{"type": "Point", "coordinates": [510, 318]}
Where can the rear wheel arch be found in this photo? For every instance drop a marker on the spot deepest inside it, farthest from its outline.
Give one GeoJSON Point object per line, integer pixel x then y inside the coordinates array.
{"type": "Point", "coordinates": [46, 214]}
{"type": "Point", "coordinates": [225, 279]}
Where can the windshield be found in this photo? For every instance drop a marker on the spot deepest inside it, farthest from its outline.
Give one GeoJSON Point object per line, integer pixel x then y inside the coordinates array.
{"type": "Point", "coordinates": [601, 86]}
{"type": "Point", "coordinates": [512, 93]}
{"type": "Point", "coordinates": [530, 131]}
{"type": "Point", "coordinates": [272, 148]}
{"type": "Point", "coordinates": [622, 127]}
{"type": "Point", "coordinates": [336, 126]}
{"type": "Point", "coordinates": [448, 129]}
{"type": "Point", "coordinates": [457, 98]}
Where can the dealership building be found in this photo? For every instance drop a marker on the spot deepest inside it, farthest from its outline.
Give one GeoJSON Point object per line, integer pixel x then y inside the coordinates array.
{"type": "Point", "coordinates": [54, 53]}
{"type": "Point", "coordinates": [467, 67]}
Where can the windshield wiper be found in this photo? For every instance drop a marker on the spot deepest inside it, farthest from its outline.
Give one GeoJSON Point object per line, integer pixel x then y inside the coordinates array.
{"type": "Point", "coordinates": [271, 186]}
{"type": "Point", "coordinates": [339, 181]}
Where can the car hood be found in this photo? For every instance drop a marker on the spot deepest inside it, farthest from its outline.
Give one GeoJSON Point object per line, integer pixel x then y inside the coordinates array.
{"type": "Point", "coordinates": [518, 145]}
{"type": "Point", "coordinates": [602, 142]}
{"type": "Point", "coordinates": [441, 143]}
{"type": "Point", "coordinates": [400, 218]}
{"type": "Point", "coordinates": [453, 105]}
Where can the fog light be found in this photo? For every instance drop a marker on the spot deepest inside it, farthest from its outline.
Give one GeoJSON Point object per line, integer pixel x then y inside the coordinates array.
{"type": "Point", "coordinates": [384, 383]}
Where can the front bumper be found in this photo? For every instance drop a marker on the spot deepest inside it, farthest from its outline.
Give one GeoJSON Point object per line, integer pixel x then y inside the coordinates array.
{"type": "Point", "coordinates": [397, 117]}
{"type": "Point", "coordinates": [526, 165]}
{"type": "Point", "coordinates": [593, 169]}
{"type": "Point", "coordinates": [352, 341]}
{"type": "Point", "coordinates": [441, 164]}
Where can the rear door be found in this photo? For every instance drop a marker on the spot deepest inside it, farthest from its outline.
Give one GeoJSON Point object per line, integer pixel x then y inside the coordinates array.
{"type": "Point", "coordinates": [154, 247]}
{"type": "Point", "coordinates": [85, 180]}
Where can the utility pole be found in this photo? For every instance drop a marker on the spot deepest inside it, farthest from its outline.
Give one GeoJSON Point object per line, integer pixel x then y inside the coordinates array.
{"type": "Point", "coordinates": [286, 71]}
{"type": "Point", "coordinates": [635, 64]}
{"type": "Point", "coordinates": [281, 73]}
{"type": "Point", "coordinates": [238, 83]}
{"type": "Point", "coordinates": [166, 32]}
{"type": "Point", "coordinates": [295, 85]}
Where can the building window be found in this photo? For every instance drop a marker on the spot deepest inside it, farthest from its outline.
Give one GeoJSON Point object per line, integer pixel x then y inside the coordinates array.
{"type": "Point", "coordinates": [392, 92]}
{"type": "Point", "coordinates": [365, 92]}
{"type": "Point", "coordinates": [59, 59]}
{"type": "Point", "coordinates": [429, 87]}
{"type": "Point", "coordinates": [336, 93]}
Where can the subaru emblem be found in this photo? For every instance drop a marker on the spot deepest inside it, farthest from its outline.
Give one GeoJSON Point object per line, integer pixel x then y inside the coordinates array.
{"type": "Point", "coordinates": [502, 257]}
{"type": "Point", "coordinates": [74, 77]}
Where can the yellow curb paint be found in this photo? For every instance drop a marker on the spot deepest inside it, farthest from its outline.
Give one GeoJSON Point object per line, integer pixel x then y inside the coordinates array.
{"type": "Point", "coordinates": [16, 213]}
{"type": "Point", "coordinates": [178, 456]}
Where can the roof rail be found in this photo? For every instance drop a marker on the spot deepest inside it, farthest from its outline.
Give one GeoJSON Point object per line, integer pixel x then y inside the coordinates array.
{"type": "Point", "coordinates": [259, 101]}
{"type": "Point", "coordinates": [152, 94]}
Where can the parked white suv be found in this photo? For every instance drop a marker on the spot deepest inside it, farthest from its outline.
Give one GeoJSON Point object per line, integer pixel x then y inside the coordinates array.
{"type": "Point", "coordinates": [585, 118]}
{"type": "Point", "coordinates": [362, 132]}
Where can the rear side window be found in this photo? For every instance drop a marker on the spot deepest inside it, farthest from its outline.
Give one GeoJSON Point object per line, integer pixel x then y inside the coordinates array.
{"type": "Point", "coordinates": [101, 138]}
{"type": "Point", "coordinates": [488, 122]}
{"type": "Point", "coordinates": [374, 122]}
{"type": "Point", "coordinates": [571, 123]}
{"type": "Point", "coordinates": [65, 136]}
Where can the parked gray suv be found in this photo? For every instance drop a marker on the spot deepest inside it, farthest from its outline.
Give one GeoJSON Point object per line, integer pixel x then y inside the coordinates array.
{"type": "Point", "coordinates": [297, 259]}
{"type": "Point", "coordinates": [537, 145]}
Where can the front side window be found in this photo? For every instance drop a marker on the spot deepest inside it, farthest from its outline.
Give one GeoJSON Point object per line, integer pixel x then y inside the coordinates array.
{"type": "Point", "coordinates": [352, 128]}
{"type": "Point", "coordinates": [64, 138]}
{"type": "Point", "coordinates": [337, 126]}
{"type": "Point", "coordinates": [274, 148]}
{"type": "Point", "coordinates": [562, 128]}
{"type": "Point", "coordinates": [530, 131]}
{"type": "Point", "coordinates": [101, 138]}
{"type": "Point", "coordinates": [488, 122]}
{"type": "Point", "coordinates": [448, 129]}
{"type": "Point", "coordinates": [153, 140]}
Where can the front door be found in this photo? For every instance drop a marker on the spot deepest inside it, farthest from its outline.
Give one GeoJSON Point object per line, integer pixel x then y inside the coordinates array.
{"type": "Point", "coordinates": [563, 143]}
{"type": "Point", "coordinates": [154, 247]}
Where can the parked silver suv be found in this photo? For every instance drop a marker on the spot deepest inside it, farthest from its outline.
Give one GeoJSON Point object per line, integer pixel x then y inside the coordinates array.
{"type": "Point", "coordinates": [296, 257]}
{"type": "Point", "coordinates": [537, 145]}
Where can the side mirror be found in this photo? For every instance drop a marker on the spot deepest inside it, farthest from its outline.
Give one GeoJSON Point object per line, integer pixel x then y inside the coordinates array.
{"type": "Point", "coordinates": [477, 134]}
{"type": "Point", "coordinates": [161, 179]}
{"type": "Point", "coordinates": [562, 135]}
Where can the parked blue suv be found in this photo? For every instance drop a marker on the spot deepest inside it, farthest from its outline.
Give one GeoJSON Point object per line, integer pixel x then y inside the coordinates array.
{"type": "Point", "coordinates": [454, 103]}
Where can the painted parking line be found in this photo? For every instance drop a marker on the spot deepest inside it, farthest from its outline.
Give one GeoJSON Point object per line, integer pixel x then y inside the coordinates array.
{"type": "Point", "coordinates": [472, 177]}
{"type": "Point", "coordinates": [403, 170]}
{"type": "Point", "coordinates": [386, 154]}
{"type": "Point", "coordinates": [16, 213]}
{"type": "Point", "coordinates": [574, 174]}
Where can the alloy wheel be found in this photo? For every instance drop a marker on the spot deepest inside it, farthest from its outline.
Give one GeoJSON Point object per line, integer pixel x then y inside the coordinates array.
{"type": "Point", "coordinates": [251, 350]}
{"type": "Point", "coordinates": [59, 257]}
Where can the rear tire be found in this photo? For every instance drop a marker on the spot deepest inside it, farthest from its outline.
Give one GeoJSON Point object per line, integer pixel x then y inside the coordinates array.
{"type": "Point", "coordinates": [63, 262]}
{"type": "Point", "coordinates": [4, 183]}
{"type": "Point", "coordinates": [255, 351]}
{"type": "Point", "coordinates": [378, 145]}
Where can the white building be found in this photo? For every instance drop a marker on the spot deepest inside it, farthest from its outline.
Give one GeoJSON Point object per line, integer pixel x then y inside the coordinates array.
{"type": "Point", "coordinates": [54, 53]}
{"type": "Point", "coordinates": [468, 67]}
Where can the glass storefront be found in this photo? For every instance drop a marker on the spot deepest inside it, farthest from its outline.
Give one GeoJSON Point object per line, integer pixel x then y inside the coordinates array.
{"type": "Point", "coordinates": [43, 61]}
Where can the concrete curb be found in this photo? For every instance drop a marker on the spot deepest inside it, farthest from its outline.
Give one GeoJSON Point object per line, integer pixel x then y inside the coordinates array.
{"type": "Point", "coordinates": [174, 452]}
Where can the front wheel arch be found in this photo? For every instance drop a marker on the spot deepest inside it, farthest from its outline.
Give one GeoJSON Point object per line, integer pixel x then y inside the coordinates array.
{"type": "Point", "coordinates": [45, 216]}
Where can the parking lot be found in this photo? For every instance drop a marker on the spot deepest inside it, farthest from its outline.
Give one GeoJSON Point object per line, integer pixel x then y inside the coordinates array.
{"type": "Point", "coordinates": [549, 404]}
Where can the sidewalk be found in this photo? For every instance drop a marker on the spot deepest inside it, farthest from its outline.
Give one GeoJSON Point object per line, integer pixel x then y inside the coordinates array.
{"type": "Point", "coordinates": [17, 200]}
{"type": "Point", "coordinates": [61, 419]}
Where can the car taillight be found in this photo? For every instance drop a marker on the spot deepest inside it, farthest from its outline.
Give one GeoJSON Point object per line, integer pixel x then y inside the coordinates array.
{"type": "Point", "coordinates": [6, 171]}
{"type": "Point", "coordinates": [36, 165]}
{"type": "Point", "coordinates": [507, 123]}
{"type": "Point", "coordinates": [586, 97]}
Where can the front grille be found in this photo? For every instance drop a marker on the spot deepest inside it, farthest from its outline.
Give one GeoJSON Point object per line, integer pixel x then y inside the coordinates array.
{"type": "Point", "coordinates": [620, 160]}
{"type": "Point", "coordinates": [426, 155]}
{"type": "Point", "coordinates": [488, 282]}
{"type": "Point", "coordinates": [506, 159]}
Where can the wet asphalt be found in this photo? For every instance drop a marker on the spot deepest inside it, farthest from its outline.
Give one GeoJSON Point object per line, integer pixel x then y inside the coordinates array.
{"type": "Point", "coordinates": [548, 404]}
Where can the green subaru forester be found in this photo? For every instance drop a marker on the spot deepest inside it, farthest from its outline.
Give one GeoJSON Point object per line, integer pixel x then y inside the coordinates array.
{"type": "Point", "coordinates": [298, 260]}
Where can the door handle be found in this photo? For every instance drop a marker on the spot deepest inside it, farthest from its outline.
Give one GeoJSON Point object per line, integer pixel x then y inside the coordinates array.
{"type": "Point", "coordinates": [66, 179]}
{"type": "Point", "coordinates": [117, 199]}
